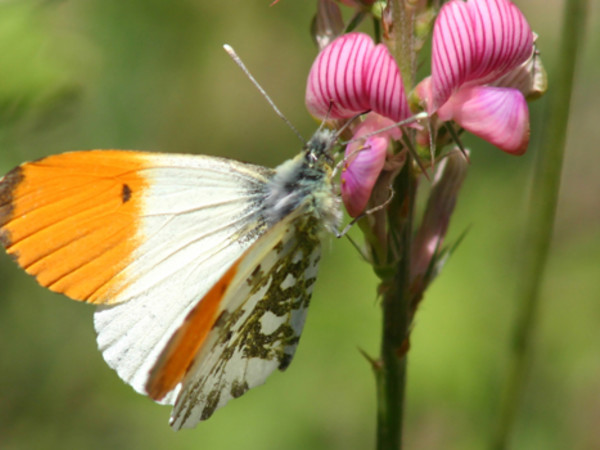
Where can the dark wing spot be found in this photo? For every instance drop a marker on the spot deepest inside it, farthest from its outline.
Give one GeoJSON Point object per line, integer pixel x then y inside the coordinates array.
{"type": "Point", "coordinates": [255, 276]}
{"type": "Point", "coordinates": [285, 361]}
{"type": "Point", "coordinates": [238, 388]}
{"type": "Point", "coordinates": [126, 193]}
{"type": "Point", "coordinates": [212, 401]}
{"type": "Point", "coordinates": [221, 320]}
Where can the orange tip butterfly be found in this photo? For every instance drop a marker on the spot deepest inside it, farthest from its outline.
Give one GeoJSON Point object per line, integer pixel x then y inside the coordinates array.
{"type": "Point", "coordinates": [202, 267]}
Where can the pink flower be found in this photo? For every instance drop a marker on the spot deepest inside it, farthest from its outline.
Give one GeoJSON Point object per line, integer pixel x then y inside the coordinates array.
{"type": "Point", "coordinates": [364, 160]}
{"type": "Point", "coordinates": [352, 75]}
{"type": "Point", "coordinates": [475, 44]}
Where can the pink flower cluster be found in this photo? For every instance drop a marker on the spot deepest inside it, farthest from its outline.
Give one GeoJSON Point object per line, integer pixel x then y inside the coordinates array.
{"type": "Point", "coordinates": [476, 44]}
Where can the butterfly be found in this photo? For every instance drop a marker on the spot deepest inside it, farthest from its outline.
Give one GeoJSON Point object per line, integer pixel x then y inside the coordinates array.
{"type": "Point", "coordinates": [201, 267]}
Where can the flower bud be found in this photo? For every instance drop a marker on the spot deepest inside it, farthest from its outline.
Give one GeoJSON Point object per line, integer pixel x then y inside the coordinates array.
{"type": "Point", "coordinates": [426, 247]}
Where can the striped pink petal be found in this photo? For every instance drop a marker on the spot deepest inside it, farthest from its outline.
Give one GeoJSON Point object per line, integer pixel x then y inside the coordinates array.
{"type": "Point", "coordinates": [364, 162]}
{"type": "Point", "coordinates": [335, 86]}
{"type": "Point", "coordinates": [352, 75]}
{"type": "Point", "coordinates": [474, 43]}
{"type": "Point", "coordinates": [498, 115]}
{"type": "Point", "coordinates": [384, 85]}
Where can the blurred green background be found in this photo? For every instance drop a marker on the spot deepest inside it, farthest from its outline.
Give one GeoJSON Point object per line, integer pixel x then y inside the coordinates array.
{"type": "Point", "coordinates": [151, 74]}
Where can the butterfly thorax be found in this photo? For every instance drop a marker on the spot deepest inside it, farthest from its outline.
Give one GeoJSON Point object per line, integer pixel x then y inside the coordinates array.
{"type": "Point", "coordinates": [305, 182]}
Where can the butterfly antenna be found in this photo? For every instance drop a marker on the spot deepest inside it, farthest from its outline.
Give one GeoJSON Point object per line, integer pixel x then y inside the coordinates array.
{"type": "Point", "coordinates": [415, 118]}
{"type": "Point", "coordinates": [231, 52]}
{"type": "Point", "coordinates": [347, 124]}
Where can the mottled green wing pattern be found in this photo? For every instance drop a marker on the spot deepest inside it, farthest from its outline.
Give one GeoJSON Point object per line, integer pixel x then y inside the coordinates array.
{"type": "Point", "coordinates": [259, 328]}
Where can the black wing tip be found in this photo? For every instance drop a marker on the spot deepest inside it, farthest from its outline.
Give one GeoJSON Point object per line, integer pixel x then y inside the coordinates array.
{"type": "Point", "coordinates": [8, 184]}
{"type": "Point", "coordinates": [5, 239]}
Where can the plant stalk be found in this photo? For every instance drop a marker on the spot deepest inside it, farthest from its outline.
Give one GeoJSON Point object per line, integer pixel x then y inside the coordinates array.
{"type": "Point", "coordinates": [542, 208]}
{"type": "Point", "coordinates": [391, 370]}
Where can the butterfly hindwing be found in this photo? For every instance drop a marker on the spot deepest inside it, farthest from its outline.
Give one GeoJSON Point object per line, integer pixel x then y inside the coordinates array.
{"type": "Point", "coordinates": [258, 328]}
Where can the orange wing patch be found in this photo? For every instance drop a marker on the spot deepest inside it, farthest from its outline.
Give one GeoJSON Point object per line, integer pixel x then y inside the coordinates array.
{"type": "Point", "coordinates": [179, 353]}
{"type": "Point", "coordinates": [71, 220]}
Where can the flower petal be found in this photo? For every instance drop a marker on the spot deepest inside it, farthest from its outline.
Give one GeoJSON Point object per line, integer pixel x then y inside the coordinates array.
{"type": "Point", "coordinates": [498, 115]}
{"type": "Point", "coordinates": [364, 161]}
{"type": "Point", "coordinates": [359, 176]}
{"type": "Point", "coordinates": [352, 75]}
{"type": "Point", "coordinates": [336, 82]}
{"type": "Point", "coordinates": [476, 42]}
{"type": "Point", "coordinates": [384, 85]}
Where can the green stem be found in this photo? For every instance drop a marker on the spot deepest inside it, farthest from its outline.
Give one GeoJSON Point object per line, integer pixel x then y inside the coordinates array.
{"type": "Point", "coordinates": [391, 371]}
{"type": "Point", "coordinates": [538, 231]}
{"type": "Point", "coordinates": [402, 45]}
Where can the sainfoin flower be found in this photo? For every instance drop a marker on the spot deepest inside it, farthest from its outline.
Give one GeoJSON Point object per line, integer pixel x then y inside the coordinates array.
{"type": "Point", "coordinates": [475, 44]}
{"type": "Point", "coordinates": [351, 76]}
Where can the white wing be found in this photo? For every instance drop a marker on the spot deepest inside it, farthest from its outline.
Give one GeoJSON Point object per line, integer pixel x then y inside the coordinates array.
{"type": "Point", "coordinates": [199, 216]}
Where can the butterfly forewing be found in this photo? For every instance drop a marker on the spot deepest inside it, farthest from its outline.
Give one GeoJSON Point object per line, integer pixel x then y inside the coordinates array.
{"type": "Point", "coordinates": [187, 218]}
